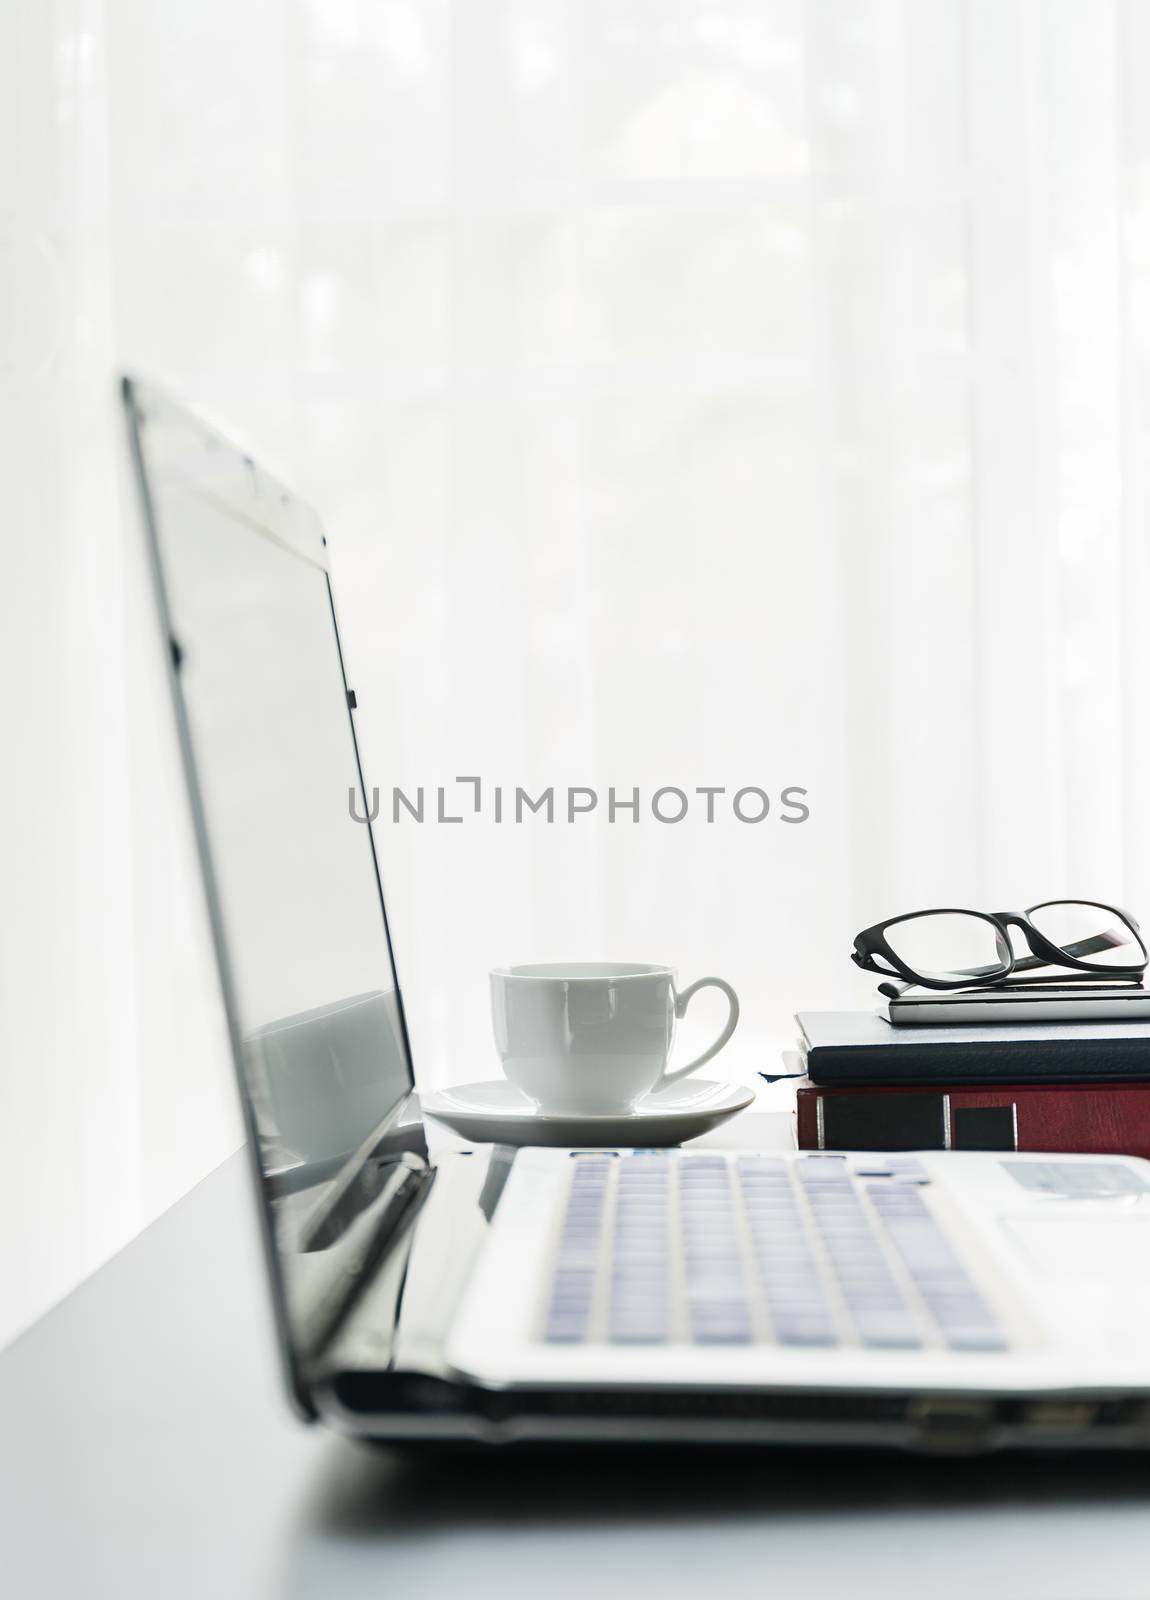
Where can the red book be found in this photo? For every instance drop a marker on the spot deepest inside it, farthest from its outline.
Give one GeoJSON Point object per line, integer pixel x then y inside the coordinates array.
{"type": "Point", "coordinates": [1074, 1119]}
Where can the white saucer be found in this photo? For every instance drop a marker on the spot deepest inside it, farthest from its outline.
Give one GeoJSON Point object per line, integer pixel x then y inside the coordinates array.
{"type": "Point", "coordinates": [496, 1112]}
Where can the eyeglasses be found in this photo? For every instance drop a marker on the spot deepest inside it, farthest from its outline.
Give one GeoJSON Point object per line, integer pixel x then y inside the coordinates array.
{"type": "Point", "coordinates": [954, 949]}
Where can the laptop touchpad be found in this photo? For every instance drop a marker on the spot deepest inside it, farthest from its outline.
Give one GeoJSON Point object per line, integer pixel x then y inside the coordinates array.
{"type": "Point", "coordinates": [1107, 1246]}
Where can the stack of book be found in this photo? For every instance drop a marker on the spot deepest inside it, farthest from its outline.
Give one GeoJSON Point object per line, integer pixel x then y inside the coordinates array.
{"type": "Point", "coordinates": [1024, 1068]}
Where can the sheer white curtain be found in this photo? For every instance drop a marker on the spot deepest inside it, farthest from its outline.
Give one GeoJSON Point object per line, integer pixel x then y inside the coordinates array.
{"type": "Point", "coordinates": [699, 393]}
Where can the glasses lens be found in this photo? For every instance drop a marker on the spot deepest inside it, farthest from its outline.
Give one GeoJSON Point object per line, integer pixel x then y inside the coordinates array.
{"type": "Point", "coordinates": [1096, 934]}
{"type": "Point", "coordinates": [949, 946]}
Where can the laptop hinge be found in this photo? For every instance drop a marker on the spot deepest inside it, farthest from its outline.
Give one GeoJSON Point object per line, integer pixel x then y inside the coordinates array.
{"type": "Point", "coordinates": [368, 1241]}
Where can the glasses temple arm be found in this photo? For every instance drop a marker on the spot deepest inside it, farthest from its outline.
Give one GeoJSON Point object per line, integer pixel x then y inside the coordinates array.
{"type": "Point", "coordinates": [1081, 948]}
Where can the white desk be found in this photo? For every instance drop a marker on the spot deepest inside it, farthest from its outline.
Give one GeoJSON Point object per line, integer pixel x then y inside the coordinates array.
{"type": "Point", "coordinates": [145, 1451]}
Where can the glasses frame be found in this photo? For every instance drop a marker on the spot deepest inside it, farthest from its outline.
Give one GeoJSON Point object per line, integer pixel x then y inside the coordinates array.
{"type": "Point", "coordinates": [872, 944]}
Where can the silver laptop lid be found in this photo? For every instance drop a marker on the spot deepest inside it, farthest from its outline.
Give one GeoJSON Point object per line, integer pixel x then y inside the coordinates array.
{"type": "Point", "coordinates": [302, 943]}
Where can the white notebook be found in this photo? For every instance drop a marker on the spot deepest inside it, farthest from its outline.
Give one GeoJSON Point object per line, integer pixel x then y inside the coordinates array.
{"type": "Point", "coordinates": [1045, 1003]}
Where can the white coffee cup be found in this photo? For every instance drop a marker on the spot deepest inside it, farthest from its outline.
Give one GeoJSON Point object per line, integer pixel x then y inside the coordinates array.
{"type": "Point", "coordinates": [594, 1036]}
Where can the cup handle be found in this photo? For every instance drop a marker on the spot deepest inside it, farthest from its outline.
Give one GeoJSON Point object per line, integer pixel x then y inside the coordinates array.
{"type": "Point", "coordinates": [682, 1001]}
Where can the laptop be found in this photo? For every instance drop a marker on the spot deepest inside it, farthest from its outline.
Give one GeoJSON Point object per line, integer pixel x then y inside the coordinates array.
{"type": "Point", "coordinates": [427, 1290]}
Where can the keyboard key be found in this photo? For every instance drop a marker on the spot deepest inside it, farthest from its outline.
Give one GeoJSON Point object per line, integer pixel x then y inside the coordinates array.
{"type": "Point", "coordinates": [565, 1331]}
{"type": "Point", "coordinates": [624, 1333]}
{"type": "Point", "coordinates": [886, 1330]}
{"type": "Point", "coordinates": [803, 1330]}
{"type": "Point", "coordinates": [978, 1339]}
{"type": "Point", "coordinates": [723, 1323]}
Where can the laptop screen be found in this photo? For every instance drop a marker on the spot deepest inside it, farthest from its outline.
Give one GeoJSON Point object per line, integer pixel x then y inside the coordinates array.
{"type": "Point", "coordinates": [305, 956]}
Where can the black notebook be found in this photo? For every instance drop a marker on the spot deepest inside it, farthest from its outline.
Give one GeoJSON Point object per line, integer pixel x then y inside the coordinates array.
{"type": "Point", "coordinates": [861, 1047]}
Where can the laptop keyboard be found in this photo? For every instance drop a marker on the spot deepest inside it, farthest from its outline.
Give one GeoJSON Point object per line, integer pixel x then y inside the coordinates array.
{"type": "Point", "coordinates": [715, 1250]}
